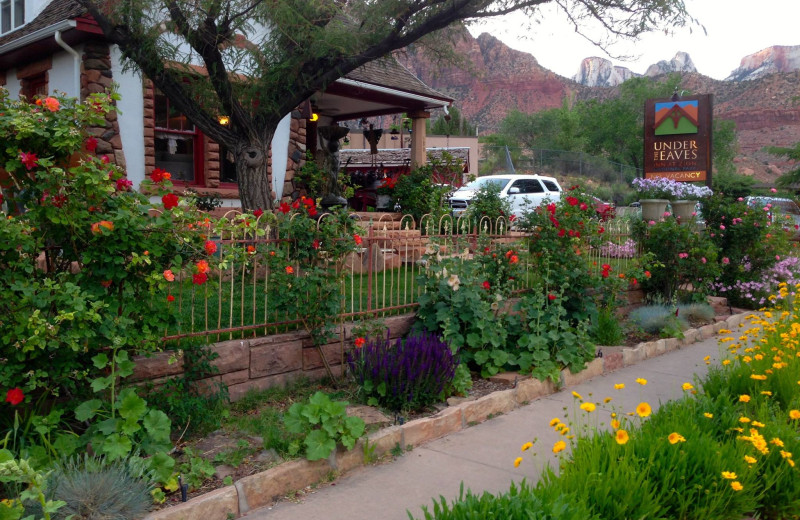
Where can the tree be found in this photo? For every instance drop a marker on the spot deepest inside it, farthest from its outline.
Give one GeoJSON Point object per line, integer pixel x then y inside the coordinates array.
{"type": "Point", "coordinates": [260, 59]}
{"type": "Point", "coordinates": [788, 179]}
{"type": "Point", "coordinates": [452, 124]}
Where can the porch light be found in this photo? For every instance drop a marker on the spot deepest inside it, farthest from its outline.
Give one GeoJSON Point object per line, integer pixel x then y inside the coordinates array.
{"type": "Point", "coordinates": [314, 117]}
{"type": "Point", "coordinates": [224, 120]}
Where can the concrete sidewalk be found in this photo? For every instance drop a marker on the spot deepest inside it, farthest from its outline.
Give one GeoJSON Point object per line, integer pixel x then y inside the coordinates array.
{"type": "Point", "coordinates": [481, 457]}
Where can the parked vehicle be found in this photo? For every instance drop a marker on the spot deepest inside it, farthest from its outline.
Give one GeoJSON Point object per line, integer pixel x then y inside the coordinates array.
{"type": "Point", "coordinates": [605, 210]}
{"type": "Point", "coordinates": [784, 212]}
{"type": "Point", "coordinates": [523, 192]}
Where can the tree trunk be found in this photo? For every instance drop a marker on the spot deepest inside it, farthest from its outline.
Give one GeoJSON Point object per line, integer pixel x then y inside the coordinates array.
{"type": "Point", "coordinates": [255, 188]}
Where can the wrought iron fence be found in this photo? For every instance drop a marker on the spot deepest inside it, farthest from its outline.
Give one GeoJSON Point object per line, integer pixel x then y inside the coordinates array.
{"type": "Point", "coordinates": [381, 279]}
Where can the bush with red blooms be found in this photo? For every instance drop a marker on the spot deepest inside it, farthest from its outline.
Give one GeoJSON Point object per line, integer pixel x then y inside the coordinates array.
{"type": "Point", "coordinates": [82, 260]}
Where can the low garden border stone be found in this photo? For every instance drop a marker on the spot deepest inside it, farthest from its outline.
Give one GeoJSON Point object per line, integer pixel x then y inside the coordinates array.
{"type": "Point", "coordinates": [264, 488]}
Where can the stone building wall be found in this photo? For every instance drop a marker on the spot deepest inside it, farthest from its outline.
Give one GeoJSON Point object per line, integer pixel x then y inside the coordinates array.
{"type": "Point", "coordinates": [96, 77]}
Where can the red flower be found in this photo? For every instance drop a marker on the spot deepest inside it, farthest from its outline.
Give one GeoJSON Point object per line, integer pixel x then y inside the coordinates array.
{"type": "Point", "coordinates": [551, 208]}
{"type": "Point", "coordinates": [257, 213]}
{"type": "Point", "coordinates": [106, 283]}
{"type": "Point", "coordinates": [572, 201]}
{"type": "Point", "coordinates": [170, 200]}
{"type": "Point", "coordinates": [157, 175]}
{"type": "Point", "coordinates": [15, 396]}
{"type": "Point", "coordinates": [606, 267]}
{"type": "Point", "coordinates": [296, 204]}
{"type": "Point", "coordinates": [211, 247]}
{"type": "Point", "coordinates": [312, 211]}
{"type": "Point", "coordinates": [359, 342]}
{"type": "Point", "coordinates": [357, 239]}
{"type": "Point", "coordinates": [509, 253]}
{"type": "Point", "coordinates": [98, 227]}
{"type": "Point", "coordinates": [202, 266]}
{"type": "Point", "coordinates": [583, 206]}
{"type": "Point", "coordinates": [647, 274]}
{"type": "Point", "coordinates": [514, 259]}
{"type": "Point", "coordinates": [562, 232]}
{"type": "Point", "coordinates": [315, 244]}
{"type": "Point", "coordinates": [199, 278]}
{"type": "Point", "coordinates": [601, 230]}
{"type": "Point", "coordinates": [604, 274]}
{"type": "Point", "coordinates": [105, 159]}
{"type": "Point", "coordinates": [124, 184]}
{"type": "Point", "coordinates": [284, 208]}
{"type": "Point", "coordinates": [289, 269]}
{"type": "Point", "coordinates": [487, 285]}
{"type": "Point", "coordinates": [90, 144]}
{"type": "Point", "coordinates": [512, 218]}
{"type": "Point", "coordinates": [251, 250]}
{"type": "Point", "coordinates": [51, 104]}
{"type": "Point", "coordinates": [28, 159]}
{"type": "Point", "coordinates": [170, 298]}
{"type": "Point", "coordinates": [551, 296]}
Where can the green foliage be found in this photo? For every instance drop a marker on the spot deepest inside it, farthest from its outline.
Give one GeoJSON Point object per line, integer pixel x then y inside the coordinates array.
{"type": "Point", "coordinates": [453, 124]}
{"type": "Point", "coordinates": [94, 488]}
{"type": "Point", "coordinates": [418, 195]}
{"type": "Point", "coordinates": [486, 205]}
{"type": "Point", "coordinates": [520, 503]}
{"type": "Point", "coordinates": [606, 329]}
{"type": "Point", "coordinates": [325, 424]}
{"type": "Point", "coordinates": [725, 149]}
{"type": "Point", "coordinates": [686, 260]}
{"type": "Point", "coordinates": [197, 407]}
{"type": "Point", "coordinates": [732, 185]}
{"type": "Point", "coordinates": [196, 470]}
{"type": "Point", "coordinates": [792, 153]}
{"type": "Point", "coordinates": [312, 177]}
{"type": "Point", "coordinates": [19, 473]}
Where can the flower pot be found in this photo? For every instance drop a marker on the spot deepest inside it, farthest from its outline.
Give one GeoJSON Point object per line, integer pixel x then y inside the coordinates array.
{"type": "Point", "coordinates": [683, 209]}
{"type": "Point", "coordinates": [383, 202]}
{"type": "Point", "coordinates": [653, 209]}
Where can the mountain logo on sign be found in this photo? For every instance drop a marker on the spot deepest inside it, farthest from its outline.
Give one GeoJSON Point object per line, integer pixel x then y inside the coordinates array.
{"type": "Point", "coordinates": [676, 117]}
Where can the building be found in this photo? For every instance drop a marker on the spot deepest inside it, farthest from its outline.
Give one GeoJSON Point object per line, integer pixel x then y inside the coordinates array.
{"type": "Point", "coordinates": [55, 46]}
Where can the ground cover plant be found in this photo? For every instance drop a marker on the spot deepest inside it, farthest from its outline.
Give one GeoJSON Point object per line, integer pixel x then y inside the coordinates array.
{"type": "Point", "coordinates": [724, 451]}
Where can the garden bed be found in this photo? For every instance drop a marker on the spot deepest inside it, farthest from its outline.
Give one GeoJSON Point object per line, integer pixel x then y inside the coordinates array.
{"type": "Point", "coordinates": [255, 488]}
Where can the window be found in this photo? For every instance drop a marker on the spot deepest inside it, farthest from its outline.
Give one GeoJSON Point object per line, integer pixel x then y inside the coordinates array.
{"type": "Point", "coordinates": [177, 143]}
{"type": "Point", "coordinates": [12, 14]}
{"type": "Point", "coordinates": [550, 185]}
{"type": "Point", "coordinates": [528, 186]}
{"type": "Point", "coordinates": [34, 86]}
{"type": "Point", "coordinates": [227, 166]}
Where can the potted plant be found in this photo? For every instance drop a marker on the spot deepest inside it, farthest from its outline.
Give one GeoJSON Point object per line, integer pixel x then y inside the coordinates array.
{"type": "Point", "coordinates": [385, 193]}
{"type": "Point", "coordinates": [687, 196]}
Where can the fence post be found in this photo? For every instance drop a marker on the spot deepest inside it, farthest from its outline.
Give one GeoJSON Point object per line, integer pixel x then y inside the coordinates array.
{"type": "Point", "coordinates": [370, 236]}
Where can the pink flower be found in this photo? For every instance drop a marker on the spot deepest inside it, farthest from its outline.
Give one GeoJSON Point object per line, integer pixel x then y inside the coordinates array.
{"type": "Point", "coordinates": [722, 226]}
{"type": "Point", "coordinates": [725, 260]}
{"type": "Point", "coordinates": [28, 159]}
{"type": "Point", "coordinates": [773, 190]}
{"type": "Point", "coordinates": [777, 257]}
{"type": "Point", "coordinates": [666, 214]}
{"type": "Point", "coordinates": [124, 184]}
{"type": "Point", "coordinates": [703, 260]}
{"type": "Point", "coordinates": [740, 199]}
{"type": "Point", "coordinates": [683, 255]}
{"type": "Point", "coordinates": [651, 223]}
{"type": "Point", "coordinates": [105, 159]}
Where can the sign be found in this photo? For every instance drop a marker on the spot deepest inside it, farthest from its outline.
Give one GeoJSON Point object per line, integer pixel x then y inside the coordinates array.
{"type": "Point", "coordinates": [677, 138]}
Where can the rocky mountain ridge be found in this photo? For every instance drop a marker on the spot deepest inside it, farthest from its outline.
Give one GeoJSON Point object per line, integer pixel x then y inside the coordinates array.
{"type": "Point", "coordinates": [500, 79]}
{"type": "Point", "coordinates": [600, 72]}
{"type": "Point", "coordinates": [778, 58]}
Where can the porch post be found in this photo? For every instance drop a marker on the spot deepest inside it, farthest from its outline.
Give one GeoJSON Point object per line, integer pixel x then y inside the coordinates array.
{"type": "Point", "coordinates": [418, 151]}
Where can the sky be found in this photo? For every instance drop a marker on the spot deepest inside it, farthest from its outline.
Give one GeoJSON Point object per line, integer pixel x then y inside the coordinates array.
{"type": "Point", "coordinates": [736, 28]}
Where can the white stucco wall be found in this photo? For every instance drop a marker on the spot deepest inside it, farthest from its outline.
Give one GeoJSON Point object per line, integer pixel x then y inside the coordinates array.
{"type": "Point", "coordinates": [280, 154]}
{"type": "Point", "coordinates": [130, 110]}
{"type": "Point", "coordinates": [62, 77]}
{"type": "Point", "coordinates": [12, 83]}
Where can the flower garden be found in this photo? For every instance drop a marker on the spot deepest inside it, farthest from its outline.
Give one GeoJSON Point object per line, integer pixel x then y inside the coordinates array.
{"type": "Point", "coordinates": [94, 275]}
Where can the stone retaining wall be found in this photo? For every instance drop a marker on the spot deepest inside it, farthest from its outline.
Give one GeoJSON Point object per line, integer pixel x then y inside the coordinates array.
{"type": "Point", "coordinates": [264, 362]}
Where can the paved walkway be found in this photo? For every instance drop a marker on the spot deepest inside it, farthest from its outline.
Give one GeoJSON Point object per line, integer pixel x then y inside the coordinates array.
{"type": "Point", "coordinates": [482, 456]}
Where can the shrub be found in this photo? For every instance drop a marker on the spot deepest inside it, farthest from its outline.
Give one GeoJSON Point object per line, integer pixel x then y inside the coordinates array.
{"type": "Point", "coordinates": [487, 205]}
{"type": "Point", "coordinates": [94, 489]}
{"type": "Point", "coordinates": [659, 319]}
{"type": "Point", "coordinates": [418, 195]}
{"type": "Point", "coordinates": [405, 374]}
{"type": "Point", "coordinates": [697, 313]}
{"type": "Point", "coordinates": [324, 424]}
{"type": "Point", "coordinates": [606, 329]}
{"type": "Point", "coordinates": [521, 502]}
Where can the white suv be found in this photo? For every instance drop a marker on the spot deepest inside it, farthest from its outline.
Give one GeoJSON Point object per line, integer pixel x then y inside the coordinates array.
{"type": "Point", "coordinates": [523, 192]}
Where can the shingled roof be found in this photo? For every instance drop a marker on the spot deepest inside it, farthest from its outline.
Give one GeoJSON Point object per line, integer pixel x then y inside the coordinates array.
{"type": "Point", "coordinates": [56, 11]}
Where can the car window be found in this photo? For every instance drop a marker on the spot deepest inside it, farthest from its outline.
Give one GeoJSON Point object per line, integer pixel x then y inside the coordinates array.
{"type": "Point", "coordinates": [786, 206]}
{"type": "Point", "coordinates": [550, 185]}
{"type": "Point", "coordinates": [528, 186]}
{"type": "Point", "coordinates": [484, 181]}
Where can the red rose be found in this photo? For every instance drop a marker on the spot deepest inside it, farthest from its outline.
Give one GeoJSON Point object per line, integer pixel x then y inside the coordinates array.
{"type": "Point", "coordinates": [284, 208]}
{"type": "Point", "coordinates": [170, 200]}
{"type": "Point", "coordinates": [170, 298]}
{"type": "Point", "coordinates": [315, 244]}
{"type": "Point", "coordinates": [106, 283]}
{"type": "Point", "coordinates": [15, 396]}
{"type": "Point", "coordinates": [583, 206]}
{"type": "Point", "coordinates": [157, 175]}
{"type": "Point", "coordinates": [296, 204]}
{"type": "Point", "coordinates": [210, 247]}
{"type": "Point", "coordinates": [359, 342]}
{"type": "Point", "coordinates": [90, 144]}
{"type": "Point", "coordinates": [312, 211]}
{"type": "Point", "coordinates": [124, 184]}
{"type": "Point", "coordinates": [487, 285]}
{"type": "Point", "coordinates": [572, 201]}
{"type": "Point", "coordinates": [257, 213]}
{"type": "Point", "coordinates": [199, 278]}
{"type": "Point", "coordinates": [357, 239]}
{"type": "Point", "coordinates": [551, 296]}
{"type": "Point", "coordinates": [562, 232]}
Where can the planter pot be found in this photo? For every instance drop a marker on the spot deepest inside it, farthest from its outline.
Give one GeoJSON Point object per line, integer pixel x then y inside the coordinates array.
{"type": "Point", "coordinates": [383, 202]}
{"type": "Point", "coordinates": [653, 209]}
{"type": "Point", "coordinates": [683, 209]}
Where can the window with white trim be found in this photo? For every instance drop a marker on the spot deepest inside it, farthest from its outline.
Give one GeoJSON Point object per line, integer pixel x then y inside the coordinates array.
{"type": "Point", "coordinates": [12, 14]}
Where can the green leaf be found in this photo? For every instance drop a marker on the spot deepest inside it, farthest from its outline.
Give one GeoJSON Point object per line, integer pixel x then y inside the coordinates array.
{"type": "Point", "coordinates": [318, 445]}
{"type": "Point", "coordinates": [100, 383]}
{"type": "Point", "coordinates": [108, 426]}
{"type": "Point", "coordinates": [117, 446]}
{"type": "Point", "coordinates": [157, 425]}
{"type": "Point", "coordinates": [132, 406]}
{"type": "Point", "coordinates": [355, 425]}
{"type": "Point", "coordinates": [125, 368]}
{"type": "Point", "coordinates": [162, 466]}
{"type": "Point", "coordinates": [100, 360]}
{"type": "Point", "coordinates": [87, 409]}
{"type": "Point", "coordinates": [294, 422]}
